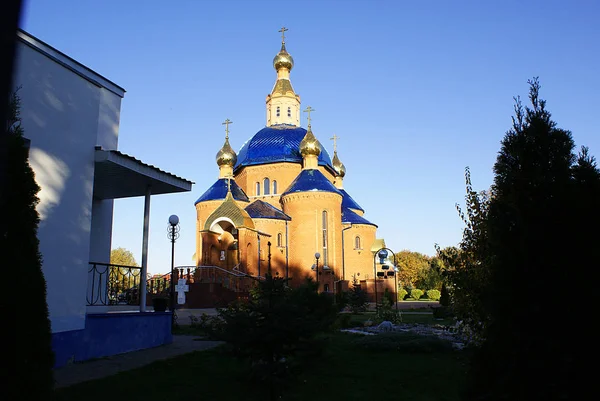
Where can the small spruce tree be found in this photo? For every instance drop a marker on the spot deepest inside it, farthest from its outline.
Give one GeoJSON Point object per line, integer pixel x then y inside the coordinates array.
{"type": "Point", "coordinates": [35, 359]}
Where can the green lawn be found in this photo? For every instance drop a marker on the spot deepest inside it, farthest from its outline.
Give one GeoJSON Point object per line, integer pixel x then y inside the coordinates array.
{"type": "Point", "coordinates": [347, 370]}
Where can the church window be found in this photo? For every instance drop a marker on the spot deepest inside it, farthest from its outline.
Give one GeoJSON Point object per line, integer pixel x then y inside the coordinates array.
{"type": "Point", "coordinates": [357, 242]}
{"type": "Point", "coordinates": [278, 111]}
{"type": "Point", "coordinates": [326, 288]}
{"type": "Point", "coordinates": [325, 255]}
{"type": "Point", "coordinates": [279, 240]}
{"type": "Point", "coordinates": [274, 187]}
{"type": "Point", "coordinates": [257, 188]}
{"type": "Point", "coordinates": [289, 111]}
{"type": "Point", "coordinates": [266, 186]}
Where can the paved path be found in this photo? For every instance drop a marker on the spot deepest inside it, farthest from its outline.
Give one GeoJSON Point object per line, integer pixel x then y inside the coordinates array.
{"type": "Point", "coordinates": [99, 368]}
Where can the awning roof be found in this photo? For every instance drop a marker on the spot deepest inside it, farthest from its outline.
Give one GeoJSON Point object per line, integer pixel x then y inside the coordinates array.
{"type": "Point", "coordinates": [117, 175]}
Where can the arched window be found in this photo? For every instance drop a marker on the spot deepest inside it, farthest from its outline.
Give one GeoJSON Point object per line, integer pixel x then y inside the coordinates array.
{"type": "Point", "coordinates": [266, 186]}
{"type": "Point", "coordinates": [278, 111]}
{"type": "Point", "coordinates": [357, 242]}
{"type": "Point", "coordinates": [324, 224]}
{"type": "Point", "coordinates": [257, 189]}
{"type": "Point", "coordinates": [279, 240]}
{"type": "Point", "coordinates": [274, 187]}
{"type": "Point", "coordinates": [289, 111]}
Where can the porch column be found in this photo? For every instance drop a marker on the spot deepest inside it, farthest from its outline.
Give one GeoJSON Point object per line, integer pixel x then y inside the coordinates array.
{"type": "Point", "coordinates": [144, 271]}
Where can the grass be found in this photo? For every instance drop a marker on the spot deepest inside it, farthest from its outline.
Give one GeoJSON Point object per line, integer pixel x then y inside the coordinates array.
{"type": "Point", "coordinates": [349, 369]}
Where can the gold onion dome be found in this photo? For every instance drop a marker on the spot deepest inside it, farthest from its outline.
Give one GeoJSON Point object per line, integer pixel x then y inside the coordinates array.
{"type": "Point", "coordinates": [283, 59]}
{"type": "Point", "coordinates": [338, 166]}
{"type": "Point", "coordinates": [226, 156]}
{"type": "Point", "coordinates": [309, 144]}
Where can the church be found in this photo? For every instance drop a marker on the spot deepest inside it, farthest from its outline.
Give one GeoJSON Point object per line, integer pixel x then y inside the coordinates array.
{"type": "Point", "coordinates": [279, 204]}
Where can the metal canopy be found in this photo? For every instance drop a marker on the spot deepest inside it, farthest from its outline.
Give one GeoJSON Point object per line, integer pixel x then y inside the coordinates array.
{"type": "Point", "coordinates": [117, 175]}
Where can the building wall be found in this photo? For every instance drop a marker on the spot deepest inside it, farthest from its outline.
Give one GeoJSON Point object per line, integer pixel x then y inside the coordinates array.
{"type": "Point", "coordinates": [65, 116]}
{"type": "Point", "coordinates": [359, 261]}
{"type": "Point", "coordinates": [305, 232]}
{"type": "Point", "coordinates": [284, 173]}
{"type": "Point", "coordinates": [278, 253]}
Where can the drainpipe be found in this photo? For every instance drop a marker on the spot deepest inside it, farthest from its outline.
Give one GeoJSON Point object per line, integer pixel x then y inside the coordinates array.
{"type": "Point", "coordinates": [258, 236]}
{"type": "Point", "coordinates": [344, 253]}
{"type": "Point", "coordinates": [286, 253]}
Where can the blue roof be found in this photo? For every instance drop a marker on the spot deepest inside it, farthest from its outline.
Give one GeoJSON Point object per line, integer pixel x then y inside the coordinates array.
{"type": "Point", "coordinates": [278, 143]}
{"type": "Point", "coordinates": [219, 190]}
{"type": "Point", "coordinates": [348, 216]}
{"type": "Point", "coordinates": [348, 202]}
{"type": "Point", "coordinates": [263, 210]}
{"type": "Point", "coordinates": [311, 180]}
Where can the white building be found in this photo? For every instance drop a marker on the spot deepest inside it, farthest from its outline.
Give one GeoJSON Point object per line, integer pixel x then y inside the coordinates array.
{"type": "Point", "coordinates": [71, 116]}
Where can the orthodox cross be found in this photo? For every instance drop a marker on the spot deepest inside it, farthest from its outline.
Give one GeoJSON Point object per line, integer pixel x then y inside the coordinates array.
{"type": "Point", "coordinates": [334, 138]}
{"type": "Point", "coordinates": [181, 289]}
{"type": "Point", "coordinates": [228, 184]}
{"type": "Point", "coordinates": [282, 30]}
{"type": "Point", "coordinates": [308, 110]}
{"type": "Point", "coordinates": [226, 124]}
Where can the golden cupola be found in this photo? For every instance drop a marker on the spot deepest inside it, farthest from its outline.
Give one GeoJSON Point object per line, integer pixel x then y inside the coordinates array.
{"type": "Point", "coordinates": [283, 59]}
{"type": "Point", "coordinates": [309, 147]}
{"type": "Point", "coordinates": [338, 166]}
{"type": "Point", "coordinates": [226, 156]}
{"type": "Point", "coordinates": [283, 104]}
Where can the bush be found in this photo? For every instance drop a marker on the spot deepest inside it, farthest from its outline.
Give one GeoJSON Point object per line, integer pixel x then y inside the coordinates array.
{"type": "Point", "coordinates": [434, 295]}
{"type": "Point", "coordinates": [442, 312]}
{"type": "Point", "coordinates": [402, 293]}
{"type": "Point", "coordinates": [416, 294]}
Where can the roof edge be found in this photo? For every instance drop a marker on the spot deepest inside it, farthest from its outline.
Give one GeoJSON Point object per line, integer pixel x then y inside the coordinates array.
{"type": "Point", "coordinates": [69, 63]}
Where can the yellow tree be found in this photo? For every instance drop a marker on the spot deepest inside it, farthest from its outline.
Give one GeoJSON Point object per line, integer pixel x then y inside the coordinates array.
{"type": "Point", "coordinates": [412, 265]}
{"type": "Point", "coordinates": [122, 277]}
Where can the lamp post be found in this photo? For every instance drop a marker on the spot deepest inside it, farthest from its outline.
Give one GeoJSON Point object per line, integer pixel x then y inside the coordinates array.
{"type": "Point", "coordinates": [173, 234]}
{"type": "Point", "coordinates": [383, 253]}
{"type": "Point", "coordinates": [317, 256]}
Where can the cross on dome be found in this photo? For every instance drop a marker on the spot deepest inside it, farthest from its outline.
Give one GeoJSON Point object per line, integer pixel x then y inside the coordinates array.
{"type": "Point", "coordinates": [308, 110]}
{"type": "Point", "coordinates": [226, 124]}
{"type": "Point", "coordinates": [282, 30]}
{"type": "Point", "coordinates": [334, 138]}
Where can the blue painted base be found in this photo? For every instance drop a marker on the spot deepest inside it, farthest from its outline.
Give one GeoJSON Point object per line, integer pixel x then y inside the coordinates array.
{"type": "Point", "coordinates": [108, 334]}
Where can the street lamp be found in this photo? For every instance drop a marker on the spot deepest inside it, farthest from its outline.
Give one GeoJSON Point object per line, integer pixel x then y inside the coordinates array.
{"type": "Point", "coordinates": [173, 234]}
{"type": "Point", "coordinates": [317, 256]}
{"type": "Point", "coordinates": [383, 253]}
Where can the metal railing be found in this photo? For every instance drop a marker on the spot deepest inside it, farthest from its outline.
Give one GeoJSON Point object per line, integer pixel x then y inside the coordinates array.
{"type": "Point", "coordinates": [110, 284]}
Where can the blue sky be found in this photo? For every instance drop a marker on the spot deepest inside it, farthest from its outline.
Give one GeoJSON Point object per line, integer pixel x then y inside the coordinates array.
{"type": "Point", "coordinates": [416, 91]}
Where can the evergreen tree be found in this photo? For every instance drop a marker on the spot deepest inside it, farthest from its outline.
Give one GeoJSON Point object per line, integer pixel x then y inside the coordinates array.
{"type": "Point", "coordinates": [35, 359]}
{"type": "Point", "coordinates": [535, 219]}
{"type": "Point", "coordinates": [357, 297]}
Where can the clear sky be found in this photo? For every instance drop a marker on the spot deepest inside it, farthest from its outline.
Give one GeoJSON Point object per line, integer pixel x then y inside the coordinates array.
{"type": "Point", "coordinates": [415, 90]}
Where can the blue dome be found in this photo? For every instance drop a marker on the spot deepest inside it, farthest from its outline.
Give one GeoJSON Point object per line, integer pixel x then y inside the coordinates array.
{"type": "Point", "coordinates": [311, 180]}
{"type": "Point", "coordinates": [348, 216]}
{"type": "Point", "coordinates": [278, 143]}
{"type": "Point", "coordinates": [348, 202]}
{"type": "Point", "coordinates": [219, 191]}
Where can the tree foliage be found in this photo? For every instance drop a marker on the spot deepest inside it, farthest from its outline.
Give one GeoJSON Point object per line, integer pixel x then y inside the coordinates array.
{"type": "Point", "coordinates": [357, 297]}
{"type": "Point", "coordinates": [412, 265]}
{"type": "Point", "coordinates": [33, 367]}
{"type": "Point", "coordinates": [122, 257]}
{"type": "Point", "coordinates": [532, 231]}
{"type": "Point", "coordinates": [276, 328]}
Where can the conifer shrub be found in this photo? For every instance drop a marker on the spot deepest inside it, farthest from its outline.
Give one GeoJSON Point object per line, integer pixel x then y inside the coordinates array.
{"type": "Point", "coordinates": [33, 369]}
{"type": "Point", "coordinates": [416, 294]}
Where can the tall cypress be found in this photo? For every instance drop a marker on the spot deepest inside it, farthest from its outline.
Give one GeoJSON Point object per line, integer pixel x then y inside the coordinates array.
{"type": "Point", "coordinates": [535, 218]}
{"type": "Point", "coordinates": [34, 356]}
